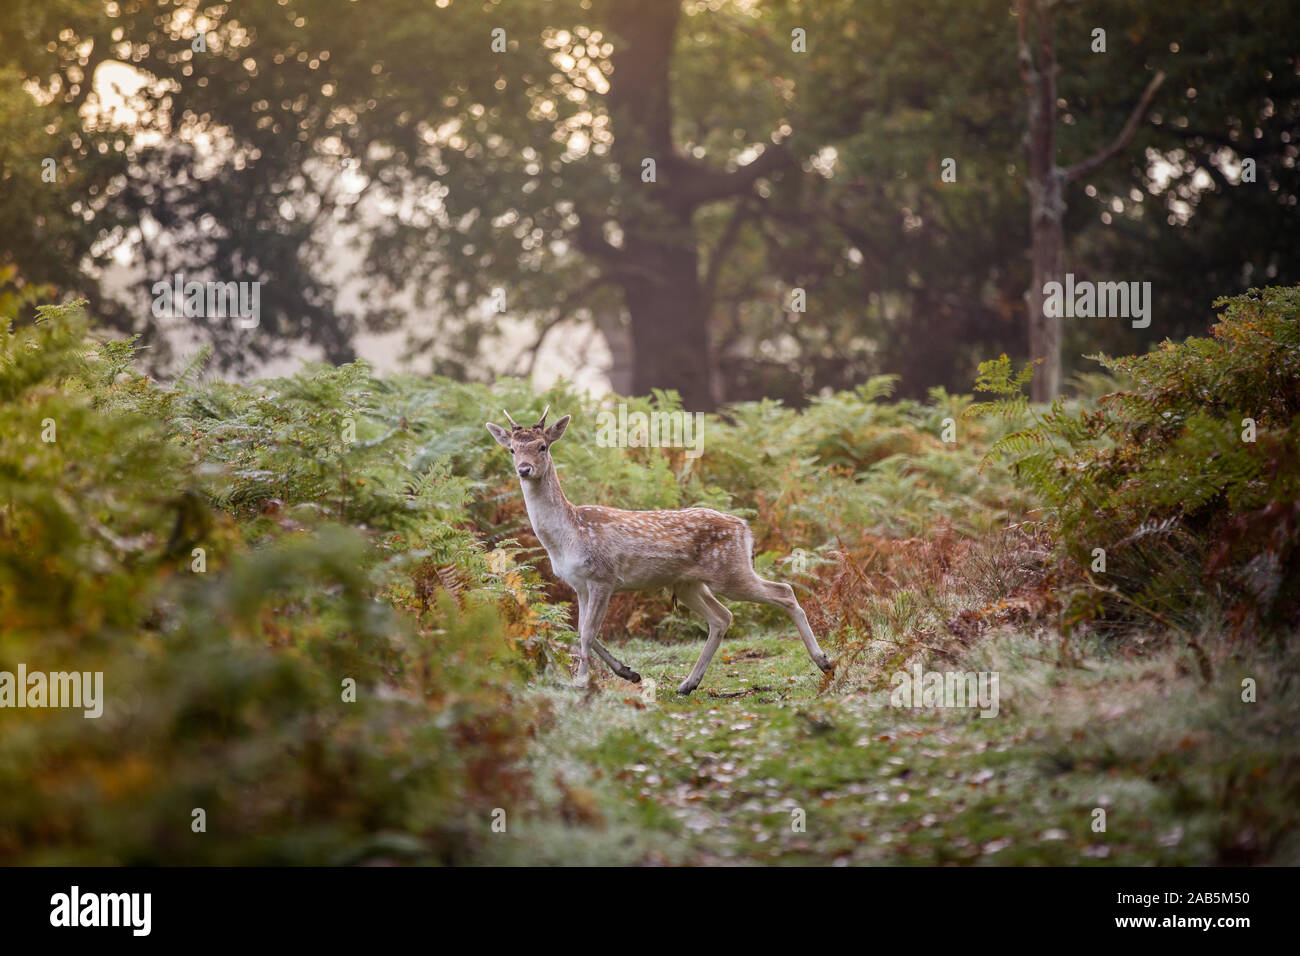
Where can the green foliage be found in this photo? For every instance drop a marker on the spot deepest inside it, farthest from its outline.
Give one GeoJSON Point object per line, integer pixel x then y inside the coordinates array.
{"type": "Point", "coordinates": [1165, 475]}
{"type": "Point", "coordinates": [224, 681]}
{"type": "Point", "coordinates": [998, 377]}
{"type": "Point", "coordinates": [229, 555]}
{"type": "Point", "coordinates": [370, 530]}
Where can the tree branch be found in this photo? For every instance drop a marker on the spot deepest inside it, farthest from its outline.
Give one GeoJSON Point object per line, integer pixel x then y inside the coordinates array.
{"type": "Point", "coordinates": [702, 184]}
{"type": "Point", "coordinates": [1099, 159]}
{"type": "Point", "coordinates": [591, 240]}
{"type": "Point", "coordinates": [1024, 56]}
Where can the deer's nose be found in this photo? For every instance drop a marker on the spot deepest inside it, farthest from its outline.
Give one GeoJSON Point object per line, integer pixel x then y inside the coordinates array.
{"type": "Point", "coordinates": [525, 471]}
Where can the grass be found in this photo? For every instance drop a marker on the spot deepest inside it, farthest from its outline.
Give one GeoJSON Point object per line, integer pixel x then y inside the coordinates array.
{"type": "Point", "coordinates": [1187, 773]}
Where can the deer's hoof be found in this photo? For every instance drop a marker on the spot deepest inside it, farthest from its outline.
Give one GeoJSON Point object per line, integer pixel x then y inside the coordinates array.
{"type": "Point", "coordinates": [825, 664]}
{"type": "Point", "coordinates": [630, 675]}
{"type": "Point", "coordinates": [686, 688]}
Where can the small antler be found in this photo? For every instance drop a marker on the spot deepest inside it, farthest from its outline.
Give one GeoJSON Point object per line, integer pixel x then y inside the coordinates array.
{"type": "Point", "coordinates": [542, 421]}
{"type": "Point", "coordinates": [513, 423]}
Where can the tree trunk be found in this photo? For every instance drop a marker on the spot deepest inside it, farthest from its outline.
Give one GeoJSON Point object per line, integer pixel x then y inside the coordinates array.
{"type": "Point", "coordinates": [618, 339]}
{"type": "Point", "coordinates": [657, 265]}
{"type": "Point", "coordinates": [1046, 198]}
{"type": "Point", "coordinates": [1045, 330]}
{"type": "Point", "coordinates": [669, 323]}
{"type": "Point", "coordinates": [1048, 256]}
{"type": "Point", "coordinates": [1047, 184]}
{"type": "Point", "coordinates": [658, 268]}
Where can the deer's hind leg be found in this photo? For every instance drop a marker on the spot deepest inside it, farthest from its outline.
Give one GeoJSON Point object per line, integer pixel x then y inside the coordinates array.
{"type": "Point", "coordinates": [760, 591]}
{"type": "Point", "coordinates": [697, 596]}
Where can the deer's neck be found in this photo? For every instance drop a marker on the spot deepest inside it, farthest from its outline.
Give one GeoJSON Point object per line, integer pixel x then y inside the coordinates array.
{"type": "Point", "coordinates": [549, 511]}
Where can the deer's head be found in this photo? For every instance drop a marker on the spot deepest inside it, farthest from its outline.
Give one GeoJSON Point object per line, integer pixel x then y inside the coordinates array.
{"type": "Point", "coordinates": [530, 446]}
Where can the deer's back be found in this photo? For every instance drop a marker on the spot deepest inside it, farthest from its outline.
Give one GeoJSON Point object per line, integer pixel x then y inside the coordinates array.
{"type": "Point", "coordinates": [646, 549]}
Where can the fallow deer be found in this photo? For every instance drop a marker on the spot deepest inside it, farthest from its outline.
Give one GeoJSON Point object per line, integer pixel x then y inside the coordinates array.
{"type": "Point", "coordinates": [598, 551]}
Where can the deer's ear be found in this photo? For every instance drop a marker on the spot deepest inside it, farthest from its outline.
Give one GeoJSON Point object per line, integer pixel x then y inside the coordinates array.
{"type": "Point", "coordinates": [500, 434]}
{"type": "Point", "coordinates": [555, 431]}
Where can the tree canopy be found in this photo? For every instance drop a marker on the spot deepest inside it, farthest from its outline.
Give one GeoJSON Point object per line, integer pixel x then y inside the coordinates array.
{"type": "Point", "coordinates": [485, 152]}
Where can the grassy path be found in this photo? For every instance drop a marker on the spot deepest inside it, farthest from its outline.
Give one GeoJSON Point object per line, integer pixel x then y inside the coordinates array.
{"type": "Point", "coordinates": [1186, 773]}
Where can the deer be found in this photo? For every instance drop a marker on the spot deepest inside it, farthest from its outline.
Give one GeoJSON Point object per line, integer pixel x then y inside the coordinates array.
{"type": "Point", "coordinates": [696, 553]}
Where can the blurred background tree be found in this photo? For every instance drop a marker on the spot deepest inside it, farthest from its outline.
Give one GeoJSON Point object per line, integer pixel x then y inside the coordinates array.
{"type": "Point", "coordinates": [797, 146]}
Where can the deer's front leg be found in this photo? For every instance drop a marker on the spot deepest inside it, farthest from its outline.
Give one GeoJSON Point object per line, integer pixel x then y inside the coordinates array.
{"type": "Point", "coordinates": [583, 605]}
{"type": "Point", "coordinates": [593, 601]}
